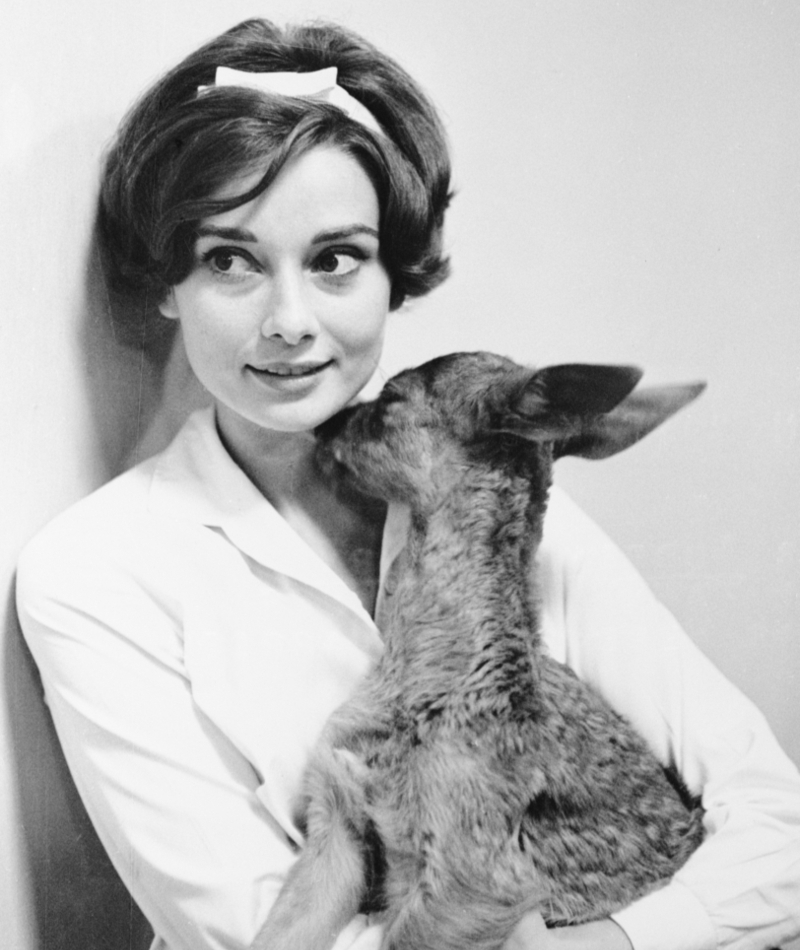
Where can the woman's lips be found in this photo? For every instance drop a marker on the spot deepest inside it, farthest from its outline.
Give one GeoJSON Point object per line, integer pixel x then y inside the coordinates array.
{"type": "Point", "coordinates": [289, 379]}
{"type": "Point", "coordinates": [291, 370]}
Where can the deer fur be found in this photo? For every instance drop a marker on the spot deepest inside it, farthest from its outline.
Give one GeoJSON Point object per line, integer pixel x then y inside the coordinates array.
{"type": "Point", "coordinates": [471, 778]}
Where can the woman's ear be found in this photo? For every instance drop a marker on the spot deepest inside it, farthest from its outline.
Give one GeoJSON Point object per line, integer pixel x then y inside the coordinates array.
{"type": "Point", "coordinates": [168, 307]}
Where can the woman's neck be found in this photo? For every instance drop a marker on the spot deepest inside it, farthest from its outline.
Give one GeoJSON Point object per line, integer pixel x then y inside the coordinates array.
{"type": "Point", "coordinates": [280, 464]}
{"type": "Point", "coordinates": [345, 531]}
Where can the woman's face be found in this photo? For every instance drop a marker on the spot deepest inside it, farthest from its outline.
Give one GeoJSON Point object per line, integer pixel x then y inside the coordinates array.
{"type": "Point", "coordinates": [283, 313]}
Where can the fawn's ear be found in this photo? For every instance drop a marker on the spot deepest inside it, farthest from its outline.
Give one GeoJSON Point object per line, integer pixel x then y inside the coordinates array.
{"type": "Point", "coordinates": [592, 411]}
{"type": "Point", "coordinates": [631, 420]}
{"type": "Point", "coordinates": [576, 389]}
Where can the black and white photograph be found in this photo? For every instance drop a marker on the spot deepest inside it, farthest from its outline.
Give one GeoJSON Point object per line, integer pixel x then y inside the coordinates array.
{"type": "Point", "coordinates": [400, 415]}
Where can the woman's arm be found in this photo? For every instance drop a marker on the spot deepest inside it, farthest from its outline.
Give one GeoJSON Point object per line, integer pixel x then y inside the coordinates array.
{"type": "Point", "coordinates": [741, 889]}
{"type": "Point", "coordinates": [532, 934]}
{"type": "Point", "coordinates": [174, 802]}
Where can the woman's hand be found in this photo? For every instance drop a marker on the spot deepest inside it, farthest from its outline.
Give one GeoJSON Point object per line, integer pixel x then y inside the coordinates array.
{"type": "Point", "coordinates": [531, 934]}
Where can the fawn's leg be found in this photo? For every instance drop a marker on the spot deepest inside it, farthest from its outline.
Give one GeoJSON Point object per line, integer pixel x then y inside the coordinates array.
{"type": "Point", "coordinates": [324, 889]}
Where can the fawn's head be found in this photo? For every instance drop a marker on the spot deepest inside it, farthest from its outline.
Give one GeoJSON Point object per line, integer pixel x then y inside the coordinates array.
{"type": "Point", "coordinates": [429, 425]}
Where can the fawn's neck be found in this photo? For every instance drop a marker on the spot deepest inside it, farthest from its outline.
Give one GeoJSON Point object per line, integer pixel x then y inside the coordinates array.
{"type": "Point", "coordinates": [460, 622]}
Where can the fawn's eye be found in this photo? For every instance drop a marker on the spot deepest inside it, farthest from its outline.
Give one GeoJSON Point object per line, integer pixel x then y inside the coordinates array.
{"type": "Point", "coordinates": [390, 394]}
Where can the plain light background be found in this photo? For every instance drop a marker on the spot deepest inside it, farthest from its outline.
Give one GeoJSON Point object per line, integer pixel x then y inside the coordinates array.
{"type": "Point", "coordinates": [628, 190]}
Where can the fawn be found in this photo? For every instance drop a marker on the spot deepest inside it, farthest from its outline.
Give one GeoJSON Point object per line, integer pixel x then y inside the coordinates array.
{"type": "Point", "coordinates": [471, 778]}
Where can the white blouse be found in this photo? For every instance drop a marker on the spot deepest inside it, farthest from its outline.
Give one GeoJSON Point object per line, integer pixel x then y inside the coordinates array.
{"type": "Point", "coordinates": [192, 646]}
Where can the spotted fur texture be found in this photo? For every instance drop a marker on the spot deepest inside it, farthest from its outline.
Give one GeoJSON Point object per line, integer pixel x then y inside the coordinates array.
{"type": "Point", "coordinates": [471, 778]}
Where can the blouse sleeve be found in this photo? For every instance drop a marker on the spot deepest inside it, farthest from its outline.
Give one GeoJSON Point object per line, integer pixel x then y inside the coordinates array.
{"type": "Point", "coordinates": [174, 802]}
{"type": "Point", "coordinates": [741, 889]}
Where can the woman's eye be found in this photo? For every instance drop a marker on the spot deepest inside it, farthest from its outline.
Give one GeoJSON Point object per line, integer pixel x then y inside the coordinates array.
{"type": "Point", "coordinates": [229, 263]}
{"type": "Point", "coordinates": [338, 263]}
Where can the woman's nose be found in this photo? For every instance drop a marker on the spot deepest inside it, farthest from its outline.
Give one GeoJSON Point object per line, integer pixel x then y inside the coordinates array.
{"type": "Point", "coordinates": [289, 315]}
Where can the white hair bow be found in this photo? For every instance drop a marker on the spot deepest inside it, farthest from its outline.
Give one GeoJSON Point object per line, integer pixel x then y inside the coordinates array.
{"type": "Point", "coordinates": [319, 85]}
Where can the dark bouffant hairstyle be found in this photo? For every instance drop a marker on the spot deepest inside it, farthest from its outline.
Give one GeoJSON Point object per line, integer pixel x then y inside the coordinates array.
{"type": "Point", "coordinates": [176, 149]}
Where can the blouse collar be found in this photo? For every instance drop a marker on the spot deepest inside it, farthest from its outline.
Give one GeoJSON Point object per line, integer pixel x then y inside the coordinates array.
{"type": "Point", "coordinates": [196, 479]}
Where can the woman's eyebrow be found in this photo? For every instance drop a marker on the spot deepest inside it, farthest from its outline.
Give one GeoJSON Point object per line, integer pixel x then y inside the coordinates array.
{"type": "Point", "coordinates": [339, 234]}
{"type": "Point", "coordinates": [241, 234]}
{"type": "Point", "coordinates": [228, 234]}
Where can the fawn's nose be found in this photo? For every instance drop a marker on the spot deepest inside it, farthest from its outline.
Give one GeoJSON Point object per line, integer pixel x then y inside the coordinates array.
{"type": "Point", "coordinates": [288, 314]}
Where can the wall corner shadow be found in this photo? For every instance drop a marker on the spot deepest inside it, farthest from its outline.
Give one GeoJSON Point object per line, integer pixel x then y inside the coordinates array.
{"type": "Point", "coordinates": [139, 385]}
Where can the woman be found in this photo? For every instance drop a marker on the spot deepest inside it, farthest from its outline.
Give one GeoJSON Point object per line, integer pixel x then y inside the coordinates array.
{"type": "Point", "coordinates": [196, 620]}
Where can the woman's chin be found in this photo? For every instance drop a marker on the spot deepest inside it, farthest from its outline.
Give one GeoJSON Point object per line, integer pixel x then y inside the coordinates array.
{"type": "Point", "coordinates": [297, 410]}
